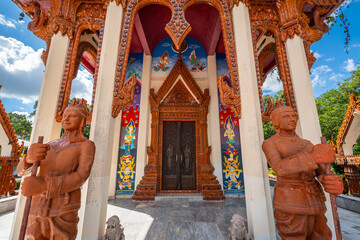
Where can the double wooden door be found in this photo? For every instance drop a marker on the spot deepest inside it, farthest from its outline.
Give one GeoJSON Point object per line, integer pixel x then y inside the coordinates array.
{"type": "Point", "coordinates": [179, 155]}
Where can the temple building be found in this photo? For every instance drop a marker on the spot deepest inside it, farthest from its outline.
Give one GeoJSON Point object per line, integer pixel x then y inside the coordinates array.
{"type": "Point", "coordinates": [10, 151]}
{"type": "Point", "coordinates": [345, 141]}
{"type": "Point", "coordinates": [177, 94]}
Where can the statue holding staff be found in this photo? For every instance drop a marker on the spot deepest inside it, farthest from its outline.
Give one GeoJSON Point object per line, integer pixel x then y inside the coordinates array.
{"type": "Point", "coordinates": [299, 199]}
{"type": "Point", "coordinates": [65, 164]}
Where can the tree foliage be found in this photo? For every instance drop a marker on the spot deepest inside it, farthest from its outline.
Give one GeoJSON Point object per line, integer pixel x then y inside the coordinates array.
{"type": "Point", "coordinates": [332, 106]}
{"type": "Point", "coordinates": [21, 125]}
{"type": "Point", "coordinates": [268, 127]}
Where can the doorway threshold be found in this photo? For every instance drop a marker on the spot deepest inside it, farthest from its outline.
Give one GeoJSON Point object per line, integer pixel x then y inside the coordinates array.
{"type": "Point", "coordinates": [194, 196]}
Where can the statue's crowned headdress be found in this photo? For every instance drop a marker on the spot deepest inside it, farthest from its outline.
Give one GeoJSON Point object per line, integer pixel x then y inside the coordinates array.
{"type": "Point", "coordinates": [80, 106]}
{"type": "Point", "coordinates": [280, 108]}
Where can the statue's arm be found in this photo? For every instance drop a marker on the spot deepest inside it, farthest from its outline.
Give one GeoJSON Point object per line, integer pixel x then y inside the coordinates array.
{"type": "Point", "coordinates": [60, 185]}
{"type": "Point", "coordinates": [299, 162]}
{"type": "Point", "coordinates": [23, 167]}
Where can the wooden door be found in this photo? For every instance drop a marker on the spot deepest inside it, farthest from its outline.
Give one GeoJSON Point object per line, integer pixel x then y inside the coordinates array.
{"type": "Point", "coordinates": [179, 155]}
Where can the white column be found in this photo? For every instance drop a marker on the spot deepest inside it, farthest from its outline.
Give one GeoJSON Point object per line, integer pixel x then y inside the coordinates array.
{"type": "Point", "coordinates": [257, 191]}
{"type": "Point", "coordinates": [144, 119]}
{"type": "Point", "coordinates": [213, 118]}
{"type": "Point", "coordinates": [44, 123]}
{"type": "Point", "coordinates": [95, 191]}
{"type": "Point", "coordinates": [308, 125]}
{"type": "Point", "coordinates": [115, 155]}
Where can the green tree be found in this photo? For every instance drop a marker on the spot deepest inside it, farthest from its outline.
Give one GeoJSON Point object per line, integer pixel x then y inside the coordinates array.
{"type": "Point", "coordinates": [21, 125]}
{"type": "Point", "coordinates": [332, 106]}
{"type": "Point", "coordinates": [268, 127]}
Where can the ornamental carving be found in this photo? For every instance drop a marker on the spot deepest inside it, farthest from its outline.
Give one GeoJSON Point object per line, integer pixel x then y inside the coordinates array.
{"type": "Point", "coordinates": [90, 18]}
{"type": "Point", "coordinates": [350, 162]}
{"type": "Point", "coordinates": [352, 111]}
{"type": "Point", "coordinates": [272, 28]}
{"type": "Point", "coordinates": [177, 29]}
{"type": "Point", "coordinates": [228, 96]}
{"type": "Point", "coordinates": [294, 21]}
{"type": "Point", "coordinates": [126, 95]}
{"type": "Point", "coordinates": [165, 106]}
{"type": "Point", "coordinates": [7, 163]}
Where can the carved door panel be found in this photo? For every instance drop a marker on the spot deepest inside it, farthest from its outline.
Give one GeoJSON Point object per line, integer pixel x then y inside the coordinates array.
{"type": "Point", "coordinates": [179, 155]}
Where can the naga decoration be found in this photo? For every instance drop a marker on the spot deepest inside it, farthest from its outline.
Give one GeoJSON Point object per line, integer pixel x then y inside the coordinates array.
{"type": "Point", "coordinates": [228, 97]}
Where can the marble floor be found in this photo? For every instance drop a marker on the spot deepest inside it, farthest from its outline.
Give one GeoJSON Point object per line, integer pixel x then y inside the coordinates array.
{"type": "Point", "coordinates": [178, 218]}
{"type": "Point", "coordinates": [184, 218]}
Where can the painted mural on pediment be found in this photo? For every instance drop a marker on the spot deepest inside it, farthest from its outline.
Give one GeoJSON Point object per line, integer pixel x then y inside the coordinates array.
{"type": "Point", "coordinates": [232, 170]}
{"type": "Point", "coordinates": [165, 56]}
{"type": "Point", "coordinates": [125, 179]}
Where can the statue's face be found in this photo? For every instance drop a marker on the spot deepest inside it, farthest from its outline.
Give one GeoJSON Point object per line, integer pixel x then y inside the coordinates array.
{"type": "Point", "coordinates": [71, 119]}
{"type": "Point", "coordinates": [287, 120]}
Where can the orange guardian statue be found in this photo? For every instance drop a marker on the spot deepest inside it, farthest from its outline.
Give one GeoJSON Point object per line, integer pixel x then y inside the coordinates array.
{"type": "Point", "coordinates": [65, 165]}
{"type": "Point", "coordinates": [298, 196]}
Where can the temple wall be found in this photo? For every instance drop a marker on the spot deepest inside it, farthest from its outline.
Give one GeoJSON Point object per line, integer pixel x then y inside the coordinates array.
{"type": "Point", "coordinates": [4, 143]}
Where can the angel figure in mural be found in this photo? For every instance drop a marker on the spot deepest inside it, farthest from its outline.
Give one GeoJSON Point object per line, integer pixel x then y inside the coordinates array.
{"type": "Point", "coordinates": [229, 131]}
{"type": "Point", "coordinates": [129, 139]}
{"type": "Point", "coordinates": [161, 64]}
{"type": "Point", "coordinates": [233, 174]}
{"type": "Point", "coordinates": [195, 62]}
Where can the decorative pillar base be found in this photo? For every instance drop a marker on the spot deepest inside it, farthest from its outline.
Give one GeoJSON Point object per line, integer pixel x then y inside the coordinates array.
{"type": "Point", "coordinates": [210, 186]}
{"type": "Point", "coordinates": [146, 189]}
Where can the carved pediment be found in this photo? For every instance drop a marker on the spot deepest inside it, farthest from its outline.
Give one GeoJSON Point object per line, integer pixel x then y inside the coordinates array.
{"type": "Point", "coordinates": [179, 88]}
{"type": "Point", "coordinates": [179, 95]}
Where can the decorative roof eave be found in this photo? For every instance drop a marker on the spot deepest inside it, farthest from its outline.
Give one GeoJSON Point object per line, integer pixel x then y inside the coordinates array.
{"type": "Point", "coordinates": [352, 110]}
{"type": "Point", "coordinates": [10, 133]}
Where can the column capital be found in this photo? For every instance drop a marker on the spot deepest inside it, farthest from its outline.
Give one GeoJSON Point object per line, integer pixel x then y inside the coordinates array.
{"type": "Point", "coordinates": [309, 24]}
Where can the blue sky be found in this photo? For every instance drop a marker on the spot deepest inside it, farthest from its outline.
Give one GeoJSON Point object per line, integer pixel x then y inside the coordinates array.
{"type": "Point", "coordinates": [21, 68]}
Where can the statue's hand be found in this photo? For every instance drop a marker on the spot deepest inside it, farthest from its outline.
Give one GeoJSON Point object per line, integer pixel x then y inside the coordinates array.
{"type": "Point", "coordinates": [37, 152]}
{"type": "Point", "coordinates": [33, 186]}
{"type": "Point", "coordinates": [332, 184]}
{"type": "Point", "coordinates": [323, 153]}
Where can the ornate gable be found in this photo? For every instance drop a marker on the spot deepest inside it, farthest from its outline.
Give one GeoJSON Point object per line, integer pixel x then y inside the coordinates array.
{"type": "Point", "coordinates": [179, 95]}
{"type": "Point", "coordinates": [181, 70]}
{"type": "Point", "coordinates": [352, 117]}
{"type": "Point", "coordinates": [10, 133]}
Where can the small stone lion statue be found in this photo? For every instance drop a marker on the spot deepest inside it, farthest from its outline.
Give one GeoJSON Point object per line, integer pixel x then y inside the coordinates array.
{"type": "Point", "coordinates": [237, 229]}
{"type": "Point", "coordinates": [114, 230]}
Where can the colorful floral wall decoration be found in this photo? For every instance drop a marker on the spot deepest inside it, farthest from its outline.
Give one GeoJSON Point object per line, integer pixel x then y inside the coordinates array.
{"type": "Point", "coordinates": [126, 167]}
{"type": "Point", "coordinates": [233, 180]}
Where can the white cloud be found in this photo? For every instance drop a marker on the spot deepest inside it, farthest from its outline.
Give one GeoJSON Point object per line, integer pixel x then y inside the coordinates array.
{"type": "Point", "coordinates": [349, 65]}
{"type": "Point", "coordinates": [355, 45]}
{"type": "Point", "coordinates": [82, 85]}
{"type": "Point", "coordinates": [5, 22]}
{"type": "Point", "coordinates": [317, 55]}
{"type": "Point", "coordinates": [271, 84]}
{"type": "Point", "coordinates": [21, 70]}
{"type": "Point", "coordinates": [330, 59]}
{"type": "Point", "coordinates": [318, 75]}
